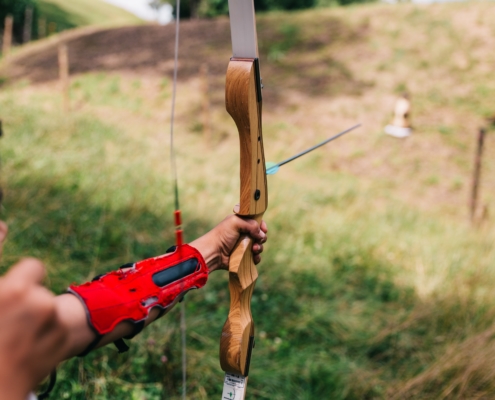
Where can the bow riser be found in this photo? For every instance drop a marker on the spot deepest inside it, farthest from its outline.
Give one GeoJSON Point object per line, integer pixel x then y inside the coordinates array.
{"type": "Point", "coordinates": [243, 102]}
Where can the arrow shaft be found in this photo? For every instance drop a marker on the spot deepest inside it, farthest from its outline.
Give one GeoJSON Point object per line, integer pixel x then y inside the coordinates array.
{"type": "Point", "coordinates": [302, 153]}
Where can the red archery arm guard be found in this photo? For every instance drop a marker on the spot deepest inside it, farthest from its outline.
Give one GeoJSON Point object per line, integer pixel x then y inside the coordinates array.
{"type": "Point", "coordinates": [129, 295]}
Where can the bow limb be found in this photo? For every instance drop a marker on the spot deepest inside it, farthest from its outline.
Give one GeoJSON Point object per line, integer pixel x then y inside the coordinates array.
{"type": "Point", "coordinates": [244, 104]}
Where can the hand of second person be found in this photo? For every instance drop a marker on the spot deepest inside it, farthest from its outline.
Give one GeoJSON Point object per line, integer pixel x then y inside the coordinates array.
{"type": "Point", "coordinates": [217, 245]}
{"type": "Point", "coordinates": [31, 336]}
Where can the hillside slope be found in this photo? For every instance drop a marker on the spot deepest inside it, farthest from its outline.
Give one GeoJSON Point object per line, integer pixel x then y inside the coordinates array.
{"type": "Point", "coordinates": [332, 68]}
{"type": "Point", "coordinates": [76, 13]}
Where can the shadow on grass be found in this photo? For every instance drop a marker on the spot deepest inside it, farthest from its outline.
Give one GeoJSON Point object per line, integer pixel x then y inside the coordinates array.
{"type": "Point", "coordinates": [338, 327]}
{"type": "Point", "coordinates": [305, 315]}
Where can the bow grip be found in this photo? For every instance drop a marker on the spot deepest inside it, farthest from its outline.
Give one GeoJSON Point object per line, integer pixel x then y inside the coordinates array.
{"type": "Point", "coordinates": [238, 331]}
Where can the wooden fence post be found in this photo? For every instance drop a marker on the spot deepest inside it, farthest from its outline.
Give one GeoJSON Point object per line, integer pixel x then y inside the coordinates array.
{"type": "Point", "coordinates": [63, 64]}
{"type": "Point", "coordinates": [28, 24]}
{"type": "Point", "coordinates": [477, 174]}
{"type": "Point", "coordinates": [7, 35]}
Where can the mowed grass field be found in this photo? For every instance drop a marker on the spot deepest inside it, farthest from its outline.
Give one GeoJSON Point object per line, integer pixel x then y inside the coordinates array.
{"type": "Point", "coordinates": [373, 284]}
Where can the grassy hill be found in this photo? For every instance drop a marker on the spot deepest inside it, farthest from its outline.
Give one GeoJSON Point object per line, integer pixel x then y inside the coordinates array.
{"type": "Point", "coordinates": [76, 13]}
{"type": "Point", "coordinates": [374, 284]}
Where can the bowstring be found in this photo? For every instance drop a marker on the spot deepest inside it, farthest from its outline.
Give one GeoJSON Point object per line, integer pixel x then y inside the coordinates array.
{"type": "Point", "coordinates": [176, 193]}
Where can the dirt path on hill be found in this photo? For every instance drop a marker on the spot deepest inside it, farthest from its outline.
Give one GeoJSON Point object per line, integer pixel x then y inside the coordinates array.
{"type": "Point", "coordinates": [146, 48]}
{"type": "Point", "coordinates": [149, 49]}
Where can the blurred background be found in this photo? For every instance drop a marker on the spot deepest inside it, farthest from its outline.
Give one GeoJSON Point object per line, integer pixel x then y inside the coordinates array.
{"type": "Point", "coordinates": [378, 278]}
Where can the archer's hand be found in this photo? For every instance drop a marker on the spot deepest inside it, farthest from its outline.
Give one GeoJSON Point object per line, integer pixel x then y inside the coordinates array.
{"type": "Point", "coordinates": [217, 245]}
{"type": "Point", "coordinates": [31, 334]}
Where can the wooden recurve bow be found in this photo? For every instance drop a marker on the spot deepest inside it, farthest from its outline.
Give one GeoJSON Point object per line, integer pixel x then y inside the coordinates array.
{"type": "Point", "coordinates": [243, 102]}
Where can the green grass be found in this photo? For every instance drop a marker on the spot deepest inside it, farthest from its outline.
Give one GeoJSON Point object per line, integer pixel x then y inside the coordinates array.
{"type": "Point", "coordinates": [76, 13]}
{"type": "Point", "coordinates": [349, 303]}
{"type": "Point", "coordinates": [367, 289]}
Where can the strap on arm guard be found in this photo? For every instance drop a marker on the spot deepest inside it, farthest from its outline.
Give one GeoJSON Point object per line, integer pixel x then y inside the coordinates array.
{"type": "Point", "coordinates": [129, 295]}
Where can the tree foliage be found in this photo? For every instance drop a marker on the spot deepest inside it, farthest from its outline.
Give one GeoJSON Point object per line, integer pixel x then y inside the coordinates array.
{"type": "Point", "coordinates": [16, 8]}
{"type": "Point", "coordinates": [212, 8]}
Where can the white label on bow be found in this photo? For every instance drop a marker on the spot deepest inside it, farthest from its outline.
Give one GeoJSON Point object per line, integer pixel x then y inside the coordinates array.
{"type": "Point", "coordinates": [234, 387]}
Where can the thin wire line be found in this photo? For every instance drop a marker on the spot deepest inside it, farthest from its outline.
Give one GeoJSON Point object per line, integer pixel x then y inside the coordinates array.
{"type": "Point", "coordinates": [184, 360]}
{"type": "Point", "coordinates": [176, 191]}
{"type": "Point", "coordinates": [172, 117]}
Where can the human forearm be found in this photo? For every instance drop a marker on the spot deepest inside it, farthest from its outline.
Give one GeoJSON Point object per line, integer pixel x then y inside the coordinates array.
{"type": "Point", "coordinates": [80, 335]}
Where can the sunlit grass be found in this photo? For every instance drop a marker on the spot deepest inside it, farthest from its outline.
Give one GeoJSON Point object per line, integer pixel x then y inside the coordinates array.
{"type": "Point", "coordinates": [75, 13]}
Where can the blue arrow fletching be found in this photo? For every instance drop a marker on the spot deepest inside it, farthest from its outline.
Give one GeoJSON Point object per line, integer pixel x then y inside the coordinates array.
{"type": "Point", "coordinates": [272, 168]}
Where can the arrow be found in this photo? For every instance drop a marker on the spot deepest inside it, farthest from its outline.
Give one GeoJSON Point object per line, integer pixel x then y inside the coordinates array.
{"type": "Point", "coordinates": [272, 168]}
